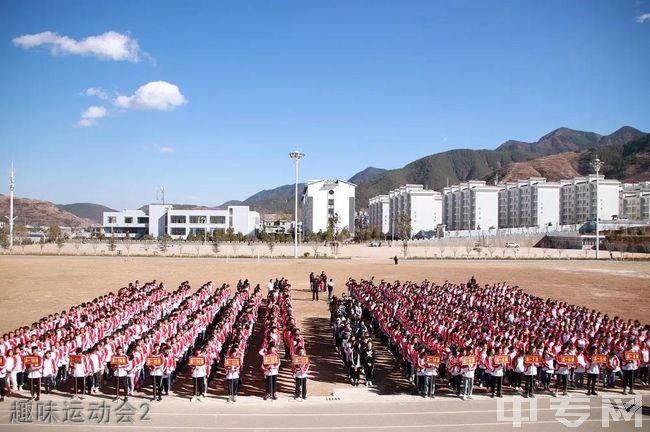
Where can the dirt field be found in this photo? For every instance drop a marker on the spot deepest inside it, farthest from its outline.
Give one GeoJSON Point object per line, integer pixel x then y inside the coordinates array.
{"type": "Point", "coordinates": [33, 286]}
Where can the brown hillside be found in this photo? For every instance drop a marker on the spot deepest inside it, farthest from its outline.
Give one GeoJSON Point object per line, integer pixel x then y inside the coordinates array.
{"type": "Point", "coordinates": [553, 168]}
{"type": "Point", "coordinates": [35, 212]}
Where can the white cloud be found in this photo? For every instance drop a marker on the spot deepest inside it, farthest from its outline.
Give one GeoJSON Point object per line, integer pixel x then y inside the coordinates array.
{"type": "Point", "coordinates": [155, 95]}
{"type": "Point", "coordinates": [110, 45]}
{"type": "Point", "coordinates": [166, 149]}
{"type": "Point", "coordinates": [643, 18]}
{"type": "Point", "coordinates": [90, 116]}
{"type": "Point", "coordinates": [98, 92]}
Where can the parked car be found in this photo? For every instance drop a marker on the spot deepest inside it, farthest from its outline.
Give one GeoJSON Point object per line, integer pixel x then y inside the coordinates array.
{"type": "Point", "coordinates": [375, 244]}
{"type": "Point", "coordinates": [512, 245]}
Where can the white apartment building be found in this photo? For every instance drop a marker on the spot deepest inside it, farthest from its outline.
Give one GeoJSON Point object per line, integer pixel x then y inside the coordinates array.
{"type": "Point", "coordinates": [634, 201]}
{"type": "Point", "coordinates": [578, 199]}
{"type": "Point", "coordinates": [159, 219]}
{"type": "Point", "coordinates": [379, 214]}
{"type": "Point", "coordinates": [529, 203]}
{"type": "Point", "coordinates": [324, 198]}
{"type": "Point", "coordinates": [423, 206]}
{"type": "Point", "coordinates": [471, 205]}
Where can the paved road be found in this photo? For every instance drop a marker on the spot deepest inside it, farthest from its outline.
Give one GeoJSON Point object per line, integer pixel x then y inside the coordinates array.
{"type": "Point", "coordinates": [350, 410]}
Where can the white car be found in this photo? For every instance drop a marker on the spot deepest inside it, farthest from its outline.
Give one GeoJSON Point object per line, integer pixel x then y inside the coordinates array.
{"type": "Point", "coordinates": [512, 245]}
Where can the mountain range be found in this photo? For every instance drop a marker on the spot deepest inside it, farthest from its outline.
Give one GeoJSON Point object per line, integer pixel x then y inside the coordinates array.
{"type": "Point", "coordinates": [560, 154]}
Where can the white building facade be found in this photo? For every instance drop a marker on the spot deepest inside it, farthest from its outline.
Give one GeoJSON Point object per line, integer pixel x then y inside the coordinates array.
{"type": "Point", "coordinates": [634, 201]}
{"type": "Point", "coordinates": [578, 199]}
{"type": "Point", "coordinates": [161, 219]}
{"type": "Point", "coordinates": [422, 206]}
{"type": "Point", "coordinates": [324, 198]}
{"type": "Point", "coordinates": [529, 203]}
{"type": "Point", "coordinates": [471, 205]}
{"type": "Point", "coordinates": [379, 214]}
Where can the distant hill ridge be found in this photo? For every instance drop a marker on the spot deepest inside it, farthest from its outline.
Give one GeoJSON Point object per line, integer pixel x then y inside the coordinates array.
{"type": "Point", "coordinates": [562, 153]}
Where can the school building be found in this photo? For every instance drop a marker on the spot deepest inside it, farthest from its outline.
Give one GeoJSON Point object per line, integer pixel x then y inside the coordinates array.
{"type": "Point", "coordinates": [322, 199]}
{"type": "Point", "coordinates": [161, 219]}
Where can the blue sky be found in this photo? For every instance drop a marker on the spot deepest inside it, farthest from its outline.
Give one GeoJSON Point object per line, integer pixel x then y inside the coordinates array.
{"type": "Point", "coordinates": [351, 83]}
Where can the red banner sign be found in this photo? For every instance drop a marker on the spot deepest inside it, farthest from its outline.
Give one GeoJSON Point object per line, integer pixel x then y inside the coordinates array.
{"type": "Point", "coordinates": [232, 362]}
{"type": "Point", "coordinates": [599, 358]}
{"type": "Point", "coordinates": [196, 361]}
{"type": "Point", "coordinates": [154, 361]}
{"type": "Point", "coordinates": [75, 359]}
{"type": "Point", "coordinates": [632, 355]}
{"type": "Point", "coordinates": [468, 360]}
{"type": "Point", "coordinates": [568, 359]}
{"type": "Point", "coordinates": [119, 360]}
{"type": "Point", "coordinates": [2, 361]}
{"type": "Point", "coordinates": [501, 360]}
{"type": "Point", "coordinates": [432, 360]}
{"type": "Point", "coordinates": [271, 360]}
{"type": "Point", "coordinates": [301, 360]}
{"type": "Point", "coordinates": [532, 359]}
{"type": "Point", "coordinates": [32, 360]}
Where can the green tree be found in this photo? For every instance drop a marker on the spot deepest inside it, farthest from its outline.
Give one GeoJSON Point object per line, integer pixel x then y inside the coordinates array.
{"type": "Point", "coordinates": [53, 233]}
{"type": "Point", "coordinates": [230, 234]}
{"type": "Point", "coordinates": [163, 242]}
{"type": "Point", "coordinates": [404, 229]}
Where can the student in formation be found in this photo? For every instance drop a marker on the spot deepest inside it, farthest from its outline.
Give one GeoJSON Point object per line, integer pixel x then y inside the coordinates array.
{"type": "Point", "coordinates": [270, 371]}
{"type": "Point", "coordinates": [49, 371]}
{"type": "Point", "coordinates": [156, 373]}
{"type": "Point", "coordinates": [232, 375]}
{"type": "Point", "coordinates": [355, 364]}
{"type": "Point", "coordinates": [10, 370]}
{"type": "Point", "coordinates": [3, 381]}
{"type": "Point", "coordinates": [530, 371]}
{"type": "Point", "coordinates": [562, 373]}
{"type": "Point", "coordinates": [34, 374]}
{"type": "Point", "coordinates": [496, 372]}
{"type": "Point", "coordinates": [629, 368]}
{"type": "Point", "coordinates": [468, 376]}
{"type": "Point", "coordinates": [168, 371]}
{"type": "Point", "coordinates": [120, 373]}
{"type": "Point", "coordinates": [593, 371]}
{"type": "Point", "coordinates": [79, 372]}
{"type": "Point", "coordinates": [368, 359]}
{"type": "Point", "coordinates": [613, 369]}
{"type": "Point", "coordinates": [300, 372]}
{"type": "Point", "coordinates": [199, 374]}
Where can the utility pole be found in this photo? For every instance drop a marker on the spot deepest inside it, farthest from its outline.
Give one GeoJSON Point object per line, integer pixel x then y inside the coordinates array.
{"type": "Point", "coordinates": [597, 164]}
{"type": "Point", "coordinates": [296, 156]}
{"type": "Point", "coordinates": [12, 186]}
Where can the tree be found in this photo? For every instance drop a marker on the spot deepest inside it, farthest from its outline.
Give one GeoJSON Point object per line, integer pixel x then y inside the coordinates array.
{"type": "Point", "coordinates": [270, 243]}
{"type": "Point", "coordinates": [404, 229]}
{"type": "Point", "coordinates": [60, 242]}
{"type": "Point", "coordinates": [215, 245]}
{"type": "Point", "coordinates": [230, 234]}
{"type": "Point", "coordinates": [163, 242]}
{"type": "Point", "coordinates": [53, 233]}
{"type": "Point", "coordinates": [111, 243]}
{"type": "Point", "coordinates": [333, 234]}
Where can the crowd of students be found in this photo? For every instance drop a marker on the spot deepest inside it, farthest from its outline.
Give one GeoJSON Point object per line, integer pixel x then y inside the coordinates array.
{"type": "Point", "coordinates": [280, 327]}
{"type": "Point", "coordinates": [462, 333]}
{"type": "Point", "coordinates": [353, 339]}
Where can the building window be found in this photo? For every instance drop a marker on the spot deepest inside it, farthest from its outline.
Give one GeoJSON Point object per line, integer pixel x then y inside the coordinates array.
{"type": "Point", "coordinates": [218, 220]}
{"type": "Point", "coordinates": [143, 220]}
{"type": "Point", "coordinates": [330, 202]}
{"type": "Point", "coordinates": [198, 219]}
{"type": "Point", "coordinates": [178, 220]}
{"type": "Point", "coordinates": [178, 231]}
{"type": "Point", "coordinates": [112, 219]}
{"type": "Point", "coordinates": [128, 219]}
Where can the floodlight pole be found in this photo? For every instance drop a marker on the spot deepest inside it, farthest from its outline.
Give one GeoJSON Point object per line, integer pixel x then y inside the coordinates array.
{"type": "Point", "coordinates": [597, 164]}
{"type": "Point", "coordinates": [12, 186]}
{"type": "Point", "coordinates": [296, 156]}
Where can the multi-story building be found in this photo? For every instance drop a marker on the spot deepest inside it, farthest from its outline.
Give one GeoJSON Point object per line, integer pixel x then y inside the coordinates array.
{"type": "Point", "coordinates": [634, 201]}
{"type": "Point", "coordinates": [273, 223]}
{"type": "Point", "coordinates": [325, 198]}
{"type": "Point", "coordinates": [578, 199]}
{"type": "Point", "coordinates": [529, 203]}
{"type": "Point", "coordinates": [379, 214]}
{"type": "Point", "coordinates": [472, 205]}
{"type": "Point", "coordinates": [423, 206]}
{"type": "Point", "coordinates": [159, 219]}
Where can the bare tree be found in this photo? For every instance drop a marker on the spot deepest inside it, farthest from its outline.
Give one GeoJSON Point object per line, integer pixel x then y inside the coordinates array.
{"type": "Point", "coordinates": [235, 247]}
{"type": "Point", "coordinates": [77, 246]}
{"type": "Point", "coordinates": [253, 247]}
{"type": "Point", "coordinates": [404, 229]}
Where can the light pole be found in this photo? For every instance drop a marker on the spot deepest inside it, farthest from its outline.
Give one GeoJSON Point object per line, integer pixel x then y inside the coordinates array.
{"type": "Point", "coordinates": [597, 164]}
{"type": "Point", "coordinates": [296, 156]}
{"type": "Point", "coordinates": [12, 186]}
